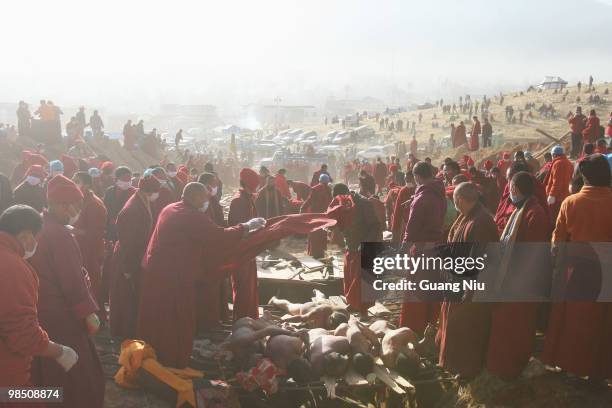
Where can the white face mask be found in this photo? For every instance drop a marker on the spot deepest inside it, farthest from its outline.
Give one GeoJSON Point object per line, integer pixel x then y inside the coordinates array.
{"type": "Point", "coordinates": [34, 181]}
{"type": "Point", "coordinates": [205, 206]}
{"type": "Point", "coordinates": [172, 174]}
{"type": "Point", "coordinates": [154, 197]}
{"type": "Point", "coordinates": [123, 185]}
{"type": "Point", "coordinates": [214, 190]}
{"type": "Point", "coordinates": [29, 254]}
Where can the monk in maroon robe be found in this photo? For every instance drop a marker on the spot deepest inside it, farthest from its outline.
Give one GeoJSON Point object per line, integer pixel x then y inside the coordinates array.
{"type": "Point", "coordinates": [358, 224]}
{"type": "Point", "coordinates": [380, 174]}
{"type": "Point", "coordinates": [301, 190]}
{"type": "Point", "coordinates": [134, 226]}
{"type": "Point", "coordinates": [244, 278]}
{"type": "Point", "coordinates": [90, 231]}
{"type": "Point", "coordinates": [424, 225]}
{"type": "Point", "coordinates": [464, 326]}
{"type": "Point", "coordinates": [315, 176]}
{"type": "Point", "coordinates": [115, 198]}
{"type": "Point", "coordinates": [317, 202]}
{"type": "Point", "coordinates": [459, 138]}
{"type": "Point", "coordinates": [213, 293]}
{"type": "Point", "coordinates": [513, 324]}
{"type": "Point", "coordinates": [270, 202]}
{"type": "Point", "coordinates": [31, 191]}
{"type": "Point", "coordinates": [66, 307]}
{"type": "Point", "coordinates": [182, 236]}
{"type": "Point", "coordinates": [22, 336]}
{"type": "Point", "coordinates": [167, 192]}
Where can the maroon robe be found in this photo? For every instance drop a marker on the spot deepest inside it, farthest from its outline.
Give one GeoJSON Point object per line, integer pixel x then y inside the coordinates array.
{"type": "Point", "coordinates": [463, 334]}
{"type": "Point", "coordinates": [317, 202]}
{"type": "Point", "coordinates": [90, 230]}
{"type": "Point", "coordinates": [22, 336]}
{"type": "Point", "coordinates": [134, 226]}
{"type": "Point", "coordinates": [505, 206]}
{"type": "Point", "coordinates": [64, 301]}
{"type": "Point", "coordinates": [244, 278]}
{"type": "Point", "coordinates": [302, 190]}
{"type": "Point", "coordinates": [182, 237]}
{"type": "Point", "coordinates": [513, 324]}
{"type": "Point", "coordinates": [27, 194]}
{"type": "Point", "coordinates": [380, 175]}
{"type": "Point", "coordinates": [213, 293]}
{"type": "Point", "coordinates": [166, 196]}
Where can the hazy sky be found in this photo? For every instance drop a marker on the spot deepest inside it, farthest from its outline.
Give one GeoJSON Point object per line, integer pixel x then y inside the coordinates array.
{"type": "Point", "coordinates": [137, 53]}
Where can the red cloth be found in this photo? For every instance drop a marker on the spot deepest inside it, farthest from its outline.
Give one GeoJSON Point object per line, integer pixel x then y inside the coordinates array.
{"type": "Point", "coordinates": [302, 190]}
{"type": "Point", "coordinates": [250, 178]}
{"type": "Point", "coordinates": [22, 336]}
{"type": "Point", "coordinates": [577, 123]}
{"type": "Point", "coordinates": [559, 178]}
{"type": "Point", "coordinates": [61, 189]}
{"type": "Point", "coordinates": [91, 227]}
{"type": "Point", "coordinates": [592, 131]}
{"type": "Point", "coordinates": [459, 137]}
{"type": "Point", "coordinates": [416, 315]}
{"type": "Point", "coordinates": [182, 237]}
{"type": "Point", "coordinates": [166, 197]}
{"type": "Point", "coordinates": [244, 277]}
{"type": "Point", "coordinates": [379, 209]}
{"type": "Point", "coordinates": [317, 202]}
{"type": "Point", "coordinates": [474, 143]}
{"type": "Point", "coordinates": [401, 210]}
{"type": "Point", "coordinates": [281, 185]}
{"type": "Point", "coordinates": [380, 174]}
{"type": "Point", "coordinates": [505, 207]}
{"type": "Point", "coordinates": [64, 301]}
{"type": "Point", "coordinates": [70, 165]}
{"type": "Point", "coordinates": [352, 282]}
{"type": "Point", "coordinates": [134, 225]}
{"type": "Point", "coordinates": [36, 170]}
{"type": "Point", "coordinates": [513, 325]}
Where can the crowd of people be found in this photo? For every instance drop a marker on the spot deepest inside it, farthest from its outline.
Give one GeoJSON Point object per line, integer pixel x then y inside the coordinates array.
{"type": "Point", "coordinates": [85, 242]}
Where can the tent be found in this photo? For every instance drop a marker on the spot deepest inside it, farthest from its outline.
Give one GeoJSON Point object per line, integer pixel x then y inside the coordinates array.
{"type": "Point", "coordinates": [551, 82]}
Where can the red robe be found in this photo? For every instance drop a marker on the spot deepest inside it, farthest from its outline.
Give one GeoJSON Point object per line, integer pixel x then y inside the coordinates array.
{"type": "Point", "coordinates": [22, 336]}
{"type": "Point", "coordinates": [182, 237]}
{"type": "Point", "coordinates": [317, 202]}
{"type": "Point", "coordinates": [474, 142]}
{"type": "Point", "coordinates": [315, 177]}
{"type": "Point", "coordinates": [244, 278]}
{"type": "Point", "coordinates": [212, 294]}
{"type": "Point", "coordinates": [401, 211]}
{"type": "Point", "coordinates": [358, 223]}
{"type": "Point", "coordinates": [513, 325]}
{"type": "Point", "coordinates": [134, 226]}
{"type": "Point", "coordinates": [64, 301]}
{"type": "Point", "coordinates": [91, 228]}
{"type": "Point", "coordinates": [464, 326]}
{"type": "Point", "coordinates": [281, 185]}
{"type": "Point", "coordinates": [505, 207]}
{"type": "Point", "coordinates": [380, 174]}
{"type": "Point", "coordinates": [459, 138]}
{"type": "Point", "coordinates": [166, 196]}
{"type": "Point", "coordinates": [302, 190]}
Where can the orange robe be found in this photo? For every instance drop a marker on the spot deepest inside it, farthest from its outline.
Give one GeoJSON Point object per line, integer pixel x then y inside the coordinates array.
{"type": "Point", "coordinates": [580, 333]}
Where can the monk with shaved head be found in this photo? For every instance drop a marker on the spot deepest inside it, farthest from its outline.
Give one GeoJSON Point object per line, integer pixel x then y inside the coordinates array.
{"type": "Point", "coordinates": [183, 236]}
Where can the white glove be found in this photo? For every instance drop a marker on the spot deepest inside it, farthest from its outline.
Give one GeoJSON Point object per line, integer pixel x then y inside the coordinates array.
{"type": "Point", "coordinates": [551, 200]}
{"type": "Point", "coordinates": [255, 224]}
{"type": "Point", "coordinates": [68, 358]}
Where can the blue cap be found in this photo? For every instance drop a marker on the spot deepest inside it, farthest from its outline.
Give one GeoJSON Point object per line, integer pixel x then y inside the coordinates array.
{"type": "Point", "coordinates": [324, 178]}
{"type": "Point", "coordinates": [94, 172]}
{"type": "Point", "coordinates": [56, 165]}
{"type": "Point", "coordinates": [557, 150]}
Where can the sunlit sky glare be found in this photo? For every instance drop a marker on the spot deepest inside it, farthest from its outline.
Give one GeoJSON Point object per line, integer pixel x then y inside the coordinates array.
{"type": "Point", "coordinates": [131, 54]}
